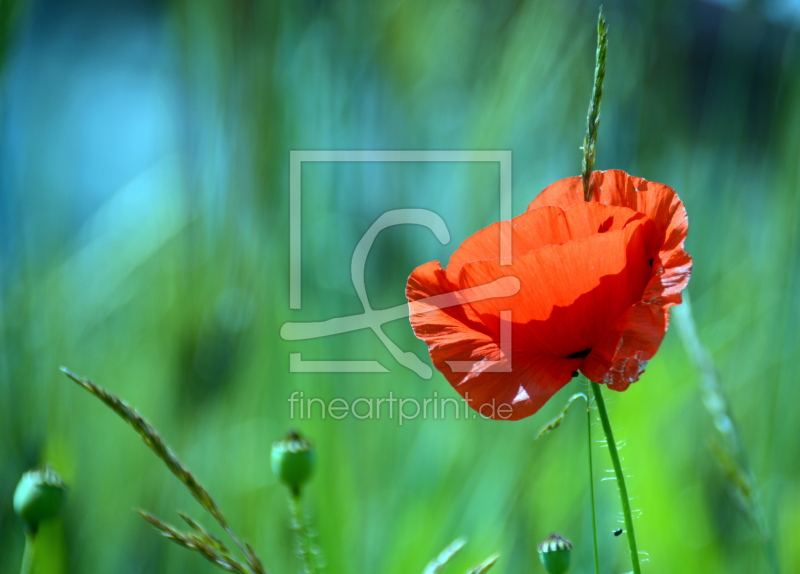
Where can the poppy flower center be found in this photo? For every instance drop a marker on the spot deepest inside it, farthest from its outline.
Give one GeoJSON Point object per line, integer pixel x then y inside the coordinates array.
{"type": "Point", "coordinates": [579, 354]}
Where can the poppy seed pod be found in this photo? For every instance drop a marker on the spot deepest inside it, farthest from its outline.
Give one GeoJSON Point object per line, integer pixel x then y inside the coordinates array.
{"type": "Point", "coordinates": [554, 553]}
{"type": "Point", "coordinates": [293, 461]}
{"type": "Point", "coordinates": [38, 496]}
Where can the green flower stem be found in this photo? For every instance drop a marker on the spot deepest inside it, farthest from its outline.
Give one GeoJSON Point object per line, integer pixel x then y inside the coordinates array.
{"type": "Point", "coordinates": [623, 490]}
{"type": "Point", "coordinates": [27, 556]}
{"type": "Point", "coordinates": [591, 481]}
{"type": "Point", "coordinates": [302, 538]}
{"type": "Point", "coordinates": [593, 115]}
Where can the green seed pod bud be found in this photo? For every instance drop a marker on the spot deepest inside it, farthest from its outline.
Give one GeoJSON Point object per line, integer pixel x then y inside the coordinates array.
{"type": "Point", "coordinates": [38, 496]}
{"type": "Point", "coordinates": [293, 461]}
{"type": "Point", "coordinates": [554, 553]}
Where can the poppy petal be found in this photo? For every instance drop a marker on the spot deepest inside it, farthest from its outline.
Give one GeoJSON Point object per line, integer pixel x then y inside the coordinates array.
{"type": "Point", "coordinates": [451, 336]}
{"type": "Point", "coordinates": [584, 286]}
{"type": "Point", "coordinates": [550, 225]}
{"type": "Point", "coordinates": [622, 354]}
{"type": "Point", "coordinates": [657, 201]}
{"type": "Point", "coordinates": [436, 311]}
{"type": "Point", "coordinates": [570, 294]}
{"type": "Point", "coordinates": [625, 350]}
{"type": "Point", "coordinates": [502, 395]}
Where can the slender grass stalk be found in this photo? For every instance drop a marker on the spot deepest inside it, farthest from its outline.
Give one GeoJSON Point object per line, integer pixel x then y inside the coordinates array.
{"type": "Point", "coordinates": [593, 115]}
{"type": "Point", "coordinates": [729, 446]}
{"type": "Point", "coordinates": [27, 555]}
{"type": "Point", "coordinates": [444, 557]}
{"type": "Point", "coordinates": [484, 566]}
{"type": "Point", "coordinates": [623, 490]}
{"type": "Point", "coordinates": [591, 480]}
{"type": "Point", "coordinates": [156, 443]}
{"type": "Point", "coordinates": [305, 548]}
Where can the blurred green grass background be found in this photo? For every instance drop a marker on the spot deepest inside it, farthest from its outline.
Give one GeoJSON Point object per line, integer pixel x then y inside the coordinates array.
{"type": "Point", "coordinates": [144, 236]}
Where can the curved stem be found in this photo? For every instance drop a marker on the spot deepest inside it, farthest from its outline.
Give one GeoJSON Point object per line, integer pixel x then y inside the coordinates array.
{"type": "Point", "coordinates": [623, 490]}
{"type": "Point", "coordinates": [27, 556]}
{"type": "Point", "coordinates": [591, 482]}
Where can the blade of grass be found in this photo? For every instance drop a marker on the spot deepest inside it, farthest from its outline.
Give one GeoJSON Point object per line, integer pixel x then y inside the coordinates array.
{"type": "Point", "coordinates": [196, 543]}
{"type": "Point", "coordinates": [445, 556]}
{"type": "Point", "coordinates": [484, 566]}
{"type": "Point", "coordinates": [556, 422]}
{"type": "Point", "coordinates": [593, 115]}
{"type": "Point", "coordinates": [154, 441]}
{"type": "Point", "coordinates": [729, 447]}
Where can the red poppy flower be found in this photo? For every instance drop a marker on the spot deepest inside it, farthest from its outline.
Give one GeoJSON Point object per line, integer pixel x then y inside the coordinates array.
{"type": "Point", "coordinates": [595, 282]}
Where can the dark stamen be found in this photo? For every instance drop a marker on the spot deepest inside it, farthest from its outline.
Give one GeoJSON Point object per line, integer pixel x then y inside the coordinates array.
{"type": "Point", "coordinates": [651, 262]}
{"type": "Point", "coordinates": [579, 354]}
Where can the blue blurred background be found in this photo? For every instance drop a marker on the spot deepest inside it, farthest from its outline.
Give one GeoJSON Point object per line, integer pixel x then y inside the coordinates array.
{"type": "Point", "coordinates": [144, 236]}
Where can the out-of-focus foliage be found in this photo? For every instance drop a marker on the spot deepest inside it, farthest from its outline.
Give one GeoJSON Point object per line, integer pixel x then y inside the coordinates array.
{"type": "Point", "coordinates": [144, 236]}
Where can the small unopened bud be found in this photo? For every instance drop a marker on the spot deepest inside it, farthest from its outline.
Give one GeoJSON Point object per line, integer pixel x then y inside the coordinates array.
{"type": "Point", "coordinates": [293, 461]}
{"type": "Point", "coordinates": [38, 496]}
{"type": "Point", "coordinates": [554, 553]}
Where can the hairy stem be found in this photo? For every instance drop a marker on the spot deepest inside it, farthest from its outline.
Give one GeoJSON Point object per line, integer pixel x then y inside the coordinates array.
{"type": "Point", "coordinates": [302, 538]}
{"type": "Point", "coordinates": [623, 490]}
